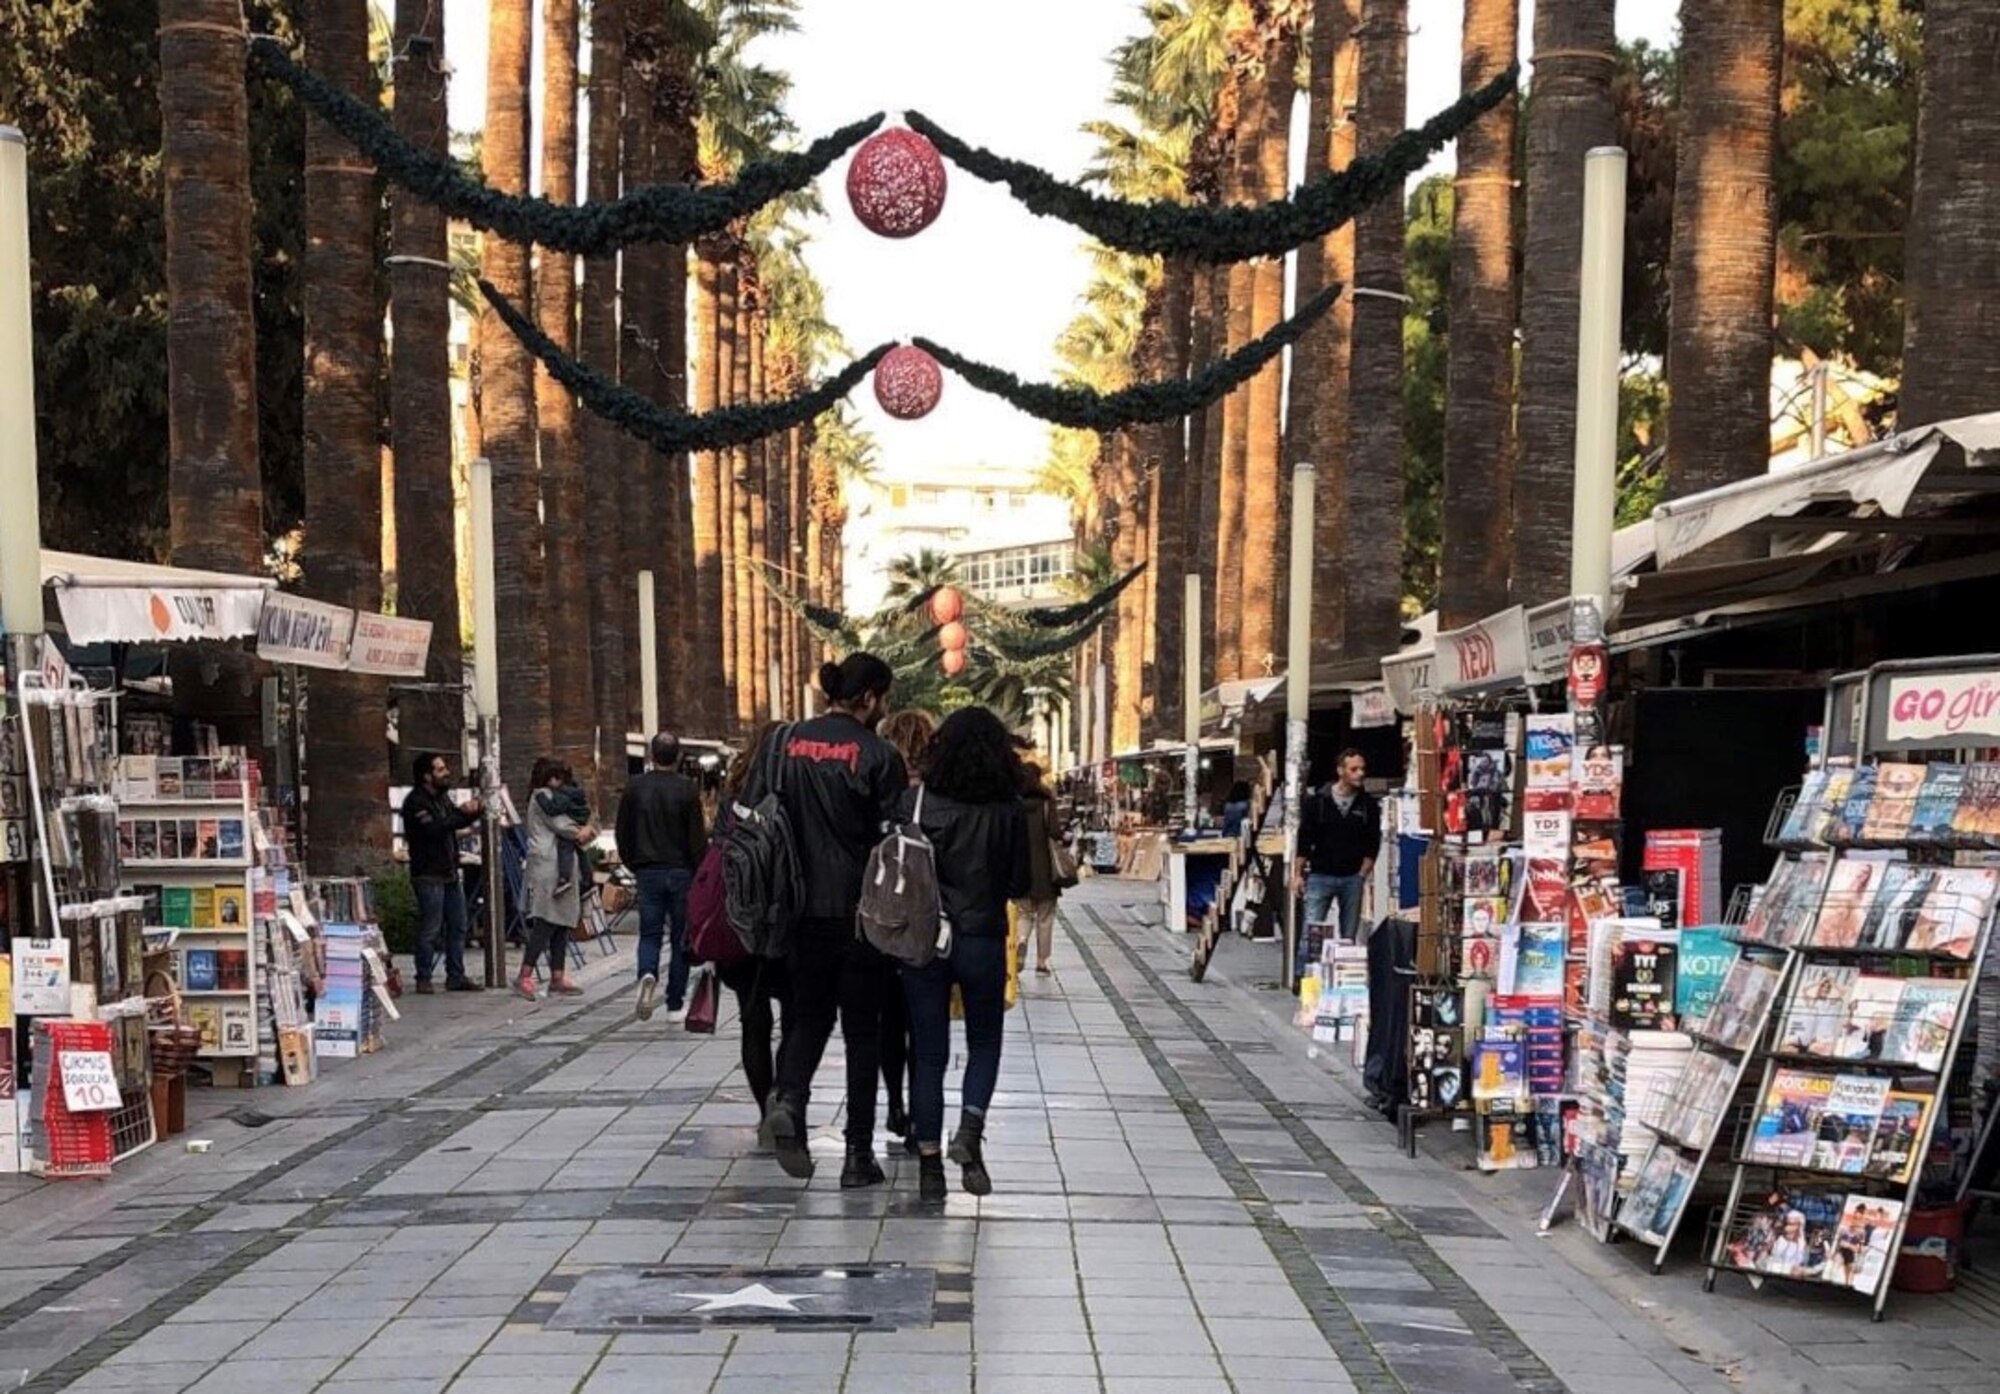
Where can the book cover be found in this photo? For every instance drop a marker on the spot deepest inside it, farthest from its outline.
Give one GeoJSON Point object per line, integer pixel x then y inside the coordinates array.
{"type": "Point", "coordinates": [230, 839]}
{"type": "Point", "coordinates": [232, 970]}
{"type": "Point", "coordinates": [1643, 975]}
{"type": "Point", "coordinates": [145, 840]}
{"type": "Point", "coordinates": [167, 777]}
{"type": "Point", "coordinates": [204, 907]}
{"type": "Point", "coordinates": [1850, 894]}
{"type": "Point", "coordinates": [1920, 1032]}
{"type": "Point", "coordinates": [1531, 959]}
{"type": "Point", "coordinates": [1977, 820]}
{"type": "Point", "coordinates": [1861, 1245]}
{"type": "Point", "coordinates": [239, 1027]}
{"type": "Point", "coordinates": [1854, 812]}
{"type": "Point", "coordinates": [1663, 896]}
{"type": "Point", "coordinates": [1954, 912]}
{"type": "Point", "coordinates": [1499, 1070]}
{"type": "Point", "coordinates": [1893, 808]}
{"type": "Point", "coordinates": [177, 907]}
{"type": "Point", "coordinates": [1550, 741]}
{"type": "Point", "coordinates": [199, 971]}
{"type": "Point", "coordinates": [1832, 805]}
{"type": "Point", "coordinates": [1789, 1116]}
{"type": "Point", "coordinates": [1506, 1135]}
{"type": "Point", "coordinates": [207, 841]}
{"type": "Point", "coordinates": [1801, 818]}
{"type": "Point", "coordinates": [1817, 1009]}
{"type": "Point", "coordinates": [206, 1017]}
{"type": "Point", "coordinates": [230, 907]}
{"type": "Point", "coordinates": [170, 840]}
{"type": "Point", "coordinates": [1899, 1136]}
{"type": "Point", "coordinates": [139, 778]}
{"type": "Point", "coordinates": [1847, 1125]}
{"type": "Point", "coordinates": [1937, 804]}
{"type": "Point", "coordinates": [229, 774]}
{"type": "Point", "coordinates": [1484, 914]}
{"type": "Point", "coordinates": [1600, 781]}
{"type": "Point", "coordinates": [1739, 1007]}
{"type": "Point", "coordinates": [198, 777]}
{"type": "Point", "coordinates": [1872, 1006]}
{"type": "Point", "coordinates": [1705, 958]}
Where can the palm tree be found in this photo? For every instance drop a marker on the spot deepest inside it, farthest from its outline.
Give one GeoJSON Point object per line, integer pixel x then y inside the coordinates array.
{"type": "Point", "coordinates": [1371, 517]}
{"type": "Point", "coordinates": [1570, 111]}
{"type": "Point", "coordinates": [1234, 288]}
{"type": "Point", "coordinates": [507, 411]}
{"type": "Point", "coordinates": [347, 735]}
{"type": "Point", "coordinates": [597, 339]}
{"type": "Point", "coordinates": [572, 701]}
{"type": "Point", "coordinates": [426, 561]}
{"type": "Point", "coordinates": [1479, 388]}
{"type": "Point", "coordinates": [709, 630]}
{"type": "Point", "coordinates": [1954, 232]}
{"type": "Point", "coordinates": [1725, 249]}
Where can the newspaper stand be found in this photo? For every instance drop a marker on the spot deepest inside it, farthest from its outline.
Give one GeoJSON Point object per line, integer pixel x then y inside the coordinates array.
{"type": "Point", "coordinates": [1861, 719]}
{"type": "Point", "coordinates": [79, 1144]}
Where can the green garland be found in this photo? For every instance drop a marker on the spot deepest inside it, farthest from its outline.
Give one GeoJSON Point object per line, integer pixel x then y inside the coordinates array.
{"type": "Point", "coordinates": [1056, 618]}
{"type": "Point", "coordinates": [1067, 404]}
{"type": "Point", "coordinates": [1217, 235]}
{"type": "Point", "coordinates": [665, 429]}
{"type": "Point", "coordinates": [658, 213]}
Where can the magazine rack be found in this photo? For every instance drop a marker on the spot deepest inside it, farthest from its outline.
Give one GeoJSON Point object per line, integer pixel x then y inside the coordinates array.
{"type": "Point", "coordinates": [1855, 1056]}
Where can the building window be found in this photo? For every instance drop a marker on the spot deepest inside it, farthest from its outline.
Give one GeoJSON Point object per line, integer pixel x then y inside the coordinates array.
{"type": "Point", "coordinates": [929, 496]}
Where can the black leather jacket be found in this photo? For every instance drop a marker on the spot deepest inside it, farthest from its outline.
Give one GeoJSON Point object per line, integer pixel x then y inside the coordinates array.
{"type": "Point", "coordinates": [982, 857]}
{"type": "Point", "coordinates": [840, 783]}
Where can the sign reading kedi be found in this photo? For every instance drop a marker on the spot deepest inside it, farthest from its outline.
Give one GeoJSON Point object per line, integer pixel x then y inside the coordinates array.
{"type": "Point", "coordinates": [1948, 708]}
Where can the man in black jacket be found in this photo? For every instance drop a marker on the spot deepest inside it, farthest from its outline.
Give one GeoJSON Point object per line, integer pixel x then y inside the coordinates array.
{"type": "Point", "coordinates": [431, 824]}
{"type": "Point", "coordinates": [1340, 831]}
{"type": "Point", "coordinates": [661, 838]}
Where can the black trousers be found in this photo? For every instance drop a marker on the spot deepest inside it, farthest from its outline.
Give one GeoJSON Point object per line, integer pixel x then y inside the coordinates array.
{"type": "Point", "coordinates": [759, 985]}
{"type": "Point", "coordinates": [835, 973]}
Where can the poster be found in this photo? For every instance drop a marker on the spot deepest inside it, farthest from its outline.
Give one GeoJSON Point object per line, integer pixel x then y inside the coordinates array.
{"type": "Point", "coordinates": [41, 977]}
{"type": "Point", "coordinates": [90, 1084]}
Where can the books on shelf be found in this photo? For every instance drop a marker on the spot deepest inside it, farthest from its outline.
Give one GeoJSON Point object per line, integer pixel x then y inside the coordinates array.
{"type": "Point", "coordinates": [1937, 804]}
{"type": "Point", "coordinates": [1953, 912]}
{"type": "Point", "coordinates": [1783, 914]}
{"type": "Point", "coordinates": [1820, 1121]}
{"type": "Point", "coordinates": [1977, 817]}
{"type": "Point", "coordinates": [1739, 1007]}
{"type": "Point", "coordinates": [1788, 1118]}
{"type": "Point", "coordinates": [1531, 959]}
{"type": "Point", "coordinates": [1900, 1134]}
{"type": "Point", "coordinates": [1892, 809]}
{"type": "Point", "coordinates": [1845, 825]}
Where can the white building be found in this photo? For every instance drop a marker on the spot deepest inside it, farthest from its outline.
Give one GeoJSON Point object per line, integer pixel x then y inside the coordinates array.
{"type": "Point", "coordinates": [1012, 541]}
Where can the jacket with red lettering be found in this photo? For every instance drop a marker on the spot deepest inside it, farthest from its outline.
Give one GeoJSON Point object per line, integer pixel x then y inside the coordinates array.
{"type": "Point", "coordinates": [841, 782]}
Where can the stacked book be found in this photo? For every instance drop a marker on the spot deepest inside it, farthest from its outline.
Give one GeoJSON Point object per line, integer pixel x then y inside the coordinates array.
{"type": "Point", "coordinates": [344, 1018]}
{"type": "Point", "coordinates": [1683, 874]}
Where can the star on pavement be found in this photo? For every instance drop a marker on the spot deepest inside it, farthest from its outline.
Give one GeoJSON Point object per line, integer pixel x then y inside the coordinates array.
{"type": "Point", "coordinates": [756, 1297]}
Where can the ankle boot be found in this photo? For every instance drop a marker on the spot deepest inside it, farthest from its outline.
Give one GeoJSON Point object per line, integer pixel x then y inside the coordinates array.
{"type": "Point", "coordinates": [861, 1169]}
{"type": "Point", "coordinates": [930, 1178]}
{"type": "Point", "coordinates": [788, 1138]}
{"type": "Point", "coordinates": [966, 1151]}
{"type": "Point", "coordinates": [899, 1119]}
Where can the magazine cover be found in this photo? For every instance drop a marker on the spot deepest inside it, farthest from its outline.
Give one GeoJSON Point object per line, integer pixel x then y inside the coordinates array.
{"type": "Point", "coordinates": [1921, 1031]}
{"type": "Point", "coordinates": [1531, 959]}
{"type": "Point", "coordinates": [1788, 1118]}
{"type": "Point", "coordinates": [1893, 809]}
{"type": "Point", "coordinates": [1872, 1007]}
{"type": "Point", "coordinates": [1833, 805]}
{"type": "Point", "coordinates": [1801, 818]}
{"type": "Point", "coordinates": [1861, 1245]}
{"type": "Point", "coordinates": [1894, 908]}
{"type": "Point", "coordinates": [1499, 1070]}
{"type": "Point", "coordinates": [1738, 1008]}
{"type": "Point", "coordinates": [1937, 804]}
{"type": "Point", "coordinates": [1953, 912]}
{"type": "Point", "coordinates": [1643, 973]}
{"type": "Point", "coordinates": [1854, 812]}
{"type": "Point", "coordinates": [1817, 1009]}
{"type": "Point", "coordinates": [1850, 893]}
{"type": "Point", "coordinates": [1978, 817]}
{"type": "Point", "coordinates": [1550, 738]}
{"type": "Point", "coordinates": [1847, 1125]}
{"type": "Point", "coordinates": [206, 1017]}
{"type": "Point", "coordinates": [1662, 1184]}
{"type": "Point", "coordinates": [1899, 1136]}
{"type": "Point", "coordinates": [1791, 1234]}
{"type": "Point", "coordinates": [1705, 959]}
{"type": "Point", "coordinates": [1600, 781]}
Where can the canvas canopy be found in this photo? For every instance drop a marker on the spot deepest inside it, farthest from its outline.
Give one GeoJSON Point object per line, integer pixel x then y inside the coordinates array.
{"type": "Point", "coordinates": [107, 601]}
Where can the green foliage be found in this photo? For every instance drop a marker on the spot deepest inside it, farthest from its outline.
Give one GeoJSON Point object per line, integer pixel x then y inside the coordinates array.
{"type": "Point", "coordinates": [1426, 342]}
{"type": "Point", "coordinates": [396, 909]}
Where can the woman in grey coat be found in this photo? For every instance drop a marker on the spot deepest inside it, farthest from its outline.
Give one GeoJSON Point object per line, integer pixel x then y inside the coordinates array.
{"type": "Point", "coordinates": [553, 900]}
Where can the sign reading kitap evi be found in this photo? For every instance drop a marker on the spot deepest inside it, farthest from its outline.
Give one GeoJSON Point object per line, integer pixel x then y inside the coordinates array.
{"type": "Point", "coordinates": [1947, 708]}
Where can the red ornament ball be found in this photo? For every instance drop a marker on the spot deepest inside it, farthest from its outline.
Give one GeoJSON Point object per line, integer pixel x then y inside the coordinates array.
{"type": "Point", "coordinates": [895, 183]}
{"type": "Point", "coordinates": [953, 636]}
{"type": "Point", "coordinates": [908, 383]}
{"type": "Point", "coordinates": [946, 604]}
{"type": "Point", "coordinates": [954, 662]}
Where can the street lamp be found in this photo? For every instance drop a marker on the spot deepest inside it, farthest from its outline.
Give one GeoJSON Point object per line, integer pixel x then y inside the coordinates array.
{"type": "Point", "coordinates": [20, 497]}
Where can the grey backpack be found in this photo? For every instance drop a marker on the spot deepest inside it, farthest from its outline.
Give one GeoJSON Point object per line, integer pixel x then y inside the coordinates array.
{"type": "Point", "coordinates": [900, 912]}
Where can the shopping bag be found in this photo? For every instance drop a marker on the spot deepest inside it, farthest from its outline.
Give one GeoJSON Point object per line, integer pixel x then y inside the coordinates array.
{"type": "Point", "coordinates": [706, 1003]}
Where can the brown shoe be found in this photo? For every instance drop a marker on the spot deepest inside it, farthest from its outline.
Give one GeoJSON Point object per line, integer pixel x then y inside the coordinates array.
{"type": "Point", "coordinates": [424, 988]}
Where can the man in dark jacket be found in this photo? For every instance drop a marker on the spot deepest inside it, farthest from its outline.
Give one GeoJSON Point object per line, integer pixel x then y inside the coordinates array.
{"type": "Point", "coordinates": [431, 824]}
{"type": "Point", "coordinates": [661, 838]}
{"type": "Point", "coordinates": [1340, 831]}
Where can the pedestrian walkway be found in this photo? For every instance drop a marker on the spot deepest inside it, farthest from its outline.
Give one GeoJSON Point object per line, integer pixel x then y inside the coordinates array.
{"type": "Point", "coordinates": [539, 1200]}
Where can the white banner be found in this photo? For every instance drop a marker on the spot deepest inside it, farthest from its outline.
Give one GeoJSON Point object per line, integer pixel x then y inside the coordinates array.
{"type": "Point", "coordinates": [156, 614]}
{"type": "Point", "coordinates": [309, 633]}
{"type": "Point", "coordinates": [1409, 676]}
{"type": "Point", "coordinates": [396, 648]}
{"type": "Point", "coordinates": [1373, 706]}
{"type": "Point", "coordinates": [1548, 641]}
{"type": "Point", "coordinates": [1487, 654]}
{"type": "Point", "coordinates": [1949, 708]}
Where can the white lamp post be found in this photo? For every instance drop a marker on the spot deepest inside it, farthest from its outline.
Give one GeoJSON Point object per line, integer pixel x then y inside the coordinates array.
{"type": "Point", "coordinates": [649, 663]}
{"type": "Point", "coordinates": [1602, 289]}
{"type": "Point", "coordinates": [20, 496]}
{"type": "Point", "coordinates": [486, 697]}
{"type": "Point", "coordinates": [1298, 696]}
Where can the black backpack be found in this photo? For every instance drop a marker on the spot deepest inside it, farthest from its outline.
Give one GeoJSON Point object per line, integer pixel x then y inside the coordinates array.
{"type": "Point", "coordinates": [763, 879]}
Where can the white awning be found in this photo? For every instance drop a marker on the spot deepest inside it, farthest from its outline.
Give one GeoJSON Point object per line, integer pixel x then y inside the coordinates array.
{"type": "Point", "coordinates": [1883, 475]}
{"type": "Point", "coordinates": [104, 600]}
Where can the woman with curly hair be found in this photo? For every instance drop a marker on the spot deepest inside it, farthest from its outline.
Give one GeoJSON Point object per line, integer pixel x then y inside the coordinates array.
{"type": "Point", "coordinates": [969, 807]}
{"type": "Point", "coordinates": [910, 731]}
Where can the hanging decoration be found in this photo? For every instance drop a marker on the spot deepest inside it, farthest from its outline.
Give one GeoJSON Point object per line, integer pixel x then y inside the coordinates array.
{"type": "Point", "coordinates": [1062, 616]}
{"type": "Point", "coordinates": [1231, 233]}
{"type": "Point", "coordinates": [947, 604]}
{"type": "Point", "coordinates": [1068, 404]}
{"type": "Point", "coordinates": [896, 183]}
{"type": "Point", "coordinates": [656, 213]}
{"type": "Point", "coordinates": [667, 430]}
{"type": "Point", "coordinates": [953, 662]}
{"type": "Point", "coordinates": [908, 383]}
{"type": "Point", "coordinates": [953, 635]}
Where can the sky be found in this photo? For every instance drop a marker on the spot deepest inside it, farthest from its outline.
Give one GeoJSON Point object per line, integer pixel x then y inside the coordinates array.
{"type": "Point", "coordinates": [988, 278]}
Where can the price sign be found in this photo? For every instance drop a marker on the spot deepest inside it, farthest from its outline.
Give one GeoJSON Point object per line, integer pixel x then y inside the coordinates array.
{"type": "Point", "coordinates": [90, 1085]}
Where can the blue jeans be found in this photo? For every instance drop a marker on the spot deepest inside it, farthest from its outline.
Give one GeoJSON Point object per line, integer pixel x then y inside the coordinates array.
{"type": "Point", "coordinates": [1322, 892]}
{"type": "Point", "coordinates": [663, 901]}
{"type": "Point", "coordinates": [978, 964]}
{"type": "Point", "coordinates": [440, 911]}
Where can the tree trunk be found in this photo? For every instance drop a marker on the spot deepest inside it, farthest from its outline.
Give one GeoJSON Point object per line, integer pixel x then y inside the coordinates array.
{"type": "Point", "coordinates": [725, 394]}
{"type": "Point", "coordinates": [1234, 319]}
{"type": "Point", "coordinates": [1205, 334]}
{"type": "Point", "coordinates": [602, 443]}
{"type": "Point", "coordinates": [1171, 553]}
{"type": "Point", "coordinates": [740, 503]}
{"type": "Point", "coordinates": [420, 410]}
{"type": "Point", "coordinates": [1479, 372]}
{"type": "Point", "coordinates": [1952, 316]}
{"type": "Point", "coordinates": [572, 703]}
{"type": "Point", "coordinates": [1321, 360]}
{"type": "Point", "coordinates": [1128, 635]}
{"type": "Point", "coordinates": [676, 104]}
{"type": "Point", "coordinates": [1575, 57]}
{"type": "Point", "coordinates": [1371, 541]}
{"type": "Point", "coordinates": [1264, 492]}
{"type": "Point", "coordinates": [347, 741]}
{"type": "Point", "coordinates": [709, 630]}
{"type": "Point", "coordinates": [759, 458]}
{"type": "Point", "coordinates": [507, 405]}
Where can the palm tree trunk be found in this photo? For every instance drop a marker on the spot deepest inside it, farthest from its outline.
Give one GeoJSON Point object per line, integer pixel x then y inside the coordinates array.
{"type": "Point", "coordinates": [1725, 252]}
{"type": "Point", "coordinates": [1575, 56]}
{"type": "Point", "coordinates": [710, 641]}
{"type": "Point", "coordinates": [1127, 638]}
{"type": "Point", "coordinates": [1268, 125]}
{"type": "Point", "coordinates": [1479, 373]}
{"type": "Point", "coordinates": [740, 501]}
{"type": "Point", "coordinates": [1952, 315]}
{"type": "Point", "coordinates": [572, 703]}
{"type": "Point", "coordinates": [507, 405]}
{"type": "Point", "coordinates": [215, 497]}
{"type": "Point", "coordinates": [1322, 360]}
{"type": "Point", "coordinates": [1372, 542]}
{"type": "Point", "coordinates": [597, 338]}
{"type": "Point", "coordinates": [725, 390]}
{"type": "Point", "coordinates": [759, 456]}
{"type": "Point", "coordinates": [676, 104]}
{"type": "Point", "coordinates": [1205, 333]}
{"type": "Point", "coordinates": [426, 561]}
{"type": "Point", "coordinates": [1171, 553]}
{"type": "Point", "coordinates": [347, 736]}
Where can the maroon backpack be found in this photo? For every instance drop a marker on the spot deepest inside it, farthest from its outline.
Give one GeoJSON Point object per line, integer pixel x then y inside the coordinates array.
{"type": "Point", "coordinates": [710, 936]}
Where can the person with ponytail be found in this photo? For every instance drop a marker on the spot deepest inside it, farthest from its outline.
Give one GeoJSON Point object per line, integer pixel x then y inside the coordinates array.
{"type": "Point", "coordinates": [840, 782]}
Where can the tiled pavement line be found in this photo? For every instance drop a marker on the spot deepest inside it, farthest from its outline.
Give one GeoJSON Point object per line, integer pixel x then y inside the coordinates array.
{"type": "Point", "coordinates": [102, 1347]}
{"type": "Point", "coordinates": [1368, 1366]}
